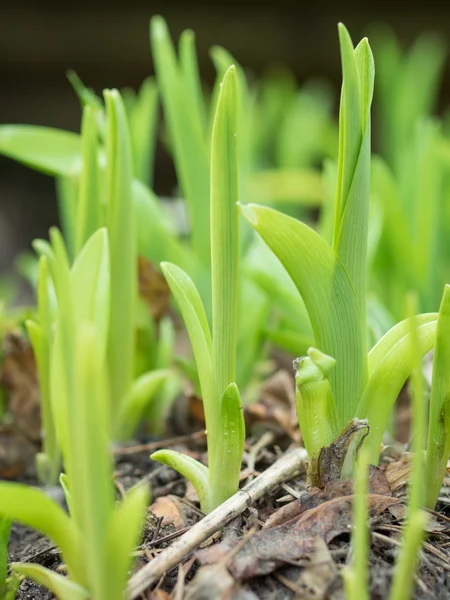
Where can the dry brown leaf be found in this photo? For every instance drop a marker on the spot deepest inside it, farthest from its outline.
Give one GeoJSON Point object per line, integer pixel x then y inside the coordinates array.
{"type": "Point", "coordinates": [276, 406]}
{"type": "Point", "coordinates": [20, 380]}
{"type": "Point", "coordinates": [272, 547]}
{"type": "Point", "coordinates": [377, 485]}
{"type": "Point", "coordinates": [315, 578]}
{"type": "Point", "coordinates": [397, 473]}
{"type": "Point", "coordinates": [153, 288]}
{"type": "Point", "coordinates": [214, 581]}
{"type": "Point", "coordinates": [171, 510]}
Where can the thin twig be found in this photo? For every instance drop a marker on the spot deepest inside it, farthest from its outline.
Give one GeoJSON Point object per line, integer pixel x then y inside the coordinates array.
{"type": "Point", "coordinates": [282, 470]}
{"type": "Point", "coordinates": [198, 435]}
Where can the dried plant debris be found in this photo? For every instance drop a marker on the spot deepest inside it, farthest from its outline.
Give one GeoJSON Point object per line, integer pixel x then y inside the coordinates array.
{"type": "Point", "coordinates": [153, 288]}
{"type": "Point", "coordinates": [275, 407]}
{"type": "Point", "coordinates": [21, 430]}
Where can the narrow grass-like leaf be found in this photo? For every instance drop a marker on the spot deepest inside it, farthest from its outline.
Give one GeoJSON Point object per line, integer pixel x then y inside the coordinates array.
{"type": "Point", "coordinates": [5, 528]}
{"type": "Point", "coordinates": [67, 196]}
{"type": "Point", "coordinates": [90, 479]}
{"type": "Point", "coordinates": [122, 240]}
{"type": "Point", "coordinates": [352, 206]}
{"type": "Point", "coordinates": [90, 276]}
{"type": "Point", "coordinates": [403, 580]}
{"type": "Point", "coordinates": [186, 137]}
{"type": "Point", "coordinates": [62, 587]}
{"type": "Point", "coordinates": [33, 508]}
{"type": "Point", "coordinates": [194, 472]}
{"type": "Point", "coordinates": [328, 295]}
{"type": "Point", "coordinates": [53, 151]}
{"type": "Point", "coordinates": [143, 128]}
{"type": "Point", "coordinates": [123, 536]}
{"type": "Point", "coordinates": [89, 214]}
{"type": "Point", "coordinates": [191, 75]}
{"type": "Point", "coordinates": [438, 447]}
{"type": "Point", "coordinates": [225, 469]}
{"type": "Point", "coordinates": [194, 317]}
{"type": "Point", "coordinates": [356, 577]}
{"type": "Point", "coordinates": [224, 235]}
{"type": "Point", "coordinates": [142, 392]}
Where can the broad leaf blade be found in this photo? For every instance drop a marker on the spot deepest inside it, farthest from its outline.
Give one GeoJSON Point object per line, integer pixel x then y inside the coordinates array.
{"type": "Point", "coordinates": [53, 151]}
{"type": "Point", "coordinates": [328, 295]}
{"type": "Point", "coordinates": [386, 379]}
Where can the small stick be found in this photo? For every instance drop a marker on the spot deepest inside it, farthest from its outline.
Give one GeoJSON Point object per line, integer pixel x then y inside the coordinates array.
{"type": "Point", "coordinates": [283, 470]}
{"type": "Point", "coordinates": [198, 435]}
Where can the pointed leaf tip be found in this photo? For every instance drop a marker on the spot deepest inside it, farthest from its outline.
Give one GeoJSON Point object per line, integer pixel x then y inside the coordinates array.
{"type": "Point", "coordinates": [249, 213]}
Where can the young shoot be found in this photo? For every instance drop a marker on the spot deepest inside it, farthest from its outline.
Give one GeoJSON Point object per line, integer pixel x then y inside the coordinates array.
{"type": "Point", "coordinates": [215, 354]}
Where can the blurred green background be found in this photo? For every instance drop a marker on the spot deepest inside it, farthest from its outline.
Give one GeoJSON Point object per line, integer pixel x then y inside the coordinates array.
{"type": "Point", "coordinates": [107, 45]}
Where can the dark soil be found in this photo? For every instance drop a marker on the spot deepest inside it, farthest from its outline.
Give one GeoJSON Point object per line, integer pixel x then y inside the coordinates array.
{"type": "Point", "coordinates": [285, 582]}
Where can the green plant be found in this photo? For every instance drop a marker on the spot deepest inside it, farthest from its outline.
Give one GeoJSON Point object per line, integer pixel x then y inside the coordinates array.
{"type": "Point", "coordinates": [96, 172]}
{"type": "Point", "coordinates": [215, 354]}
{"type": "Point", "coordinates": [97, 538]}
{"type": "Point", "coordinates": [342, 382]}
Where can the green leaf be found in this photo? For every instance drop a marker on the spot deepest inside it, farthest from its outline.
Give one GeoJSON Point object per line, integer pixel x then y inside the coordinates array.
{"type": "Point", "coordinates": [156, 239]}
{"type": "Point", "coordinates": [225, 468]}
{"type": "Point", "coordinates": [143, 128]}
{"type": "Point", "coordinates": [352, 206]}
{"type": "Point", "coordinates": [316, 409]}
{"type": "Point", "coordinates": [90, 278]}
{"type": "Point", "coordinates": [142, 392]}
{"type": "Point", "coordinates": [387, 378]}
{"type": "Point", "coordinates": [125, 528]}
{"type": "Point", "coordinates": [90, 477]}
{"type": "Point", "coordinates": [5, 528]}
{"type": "Point", "coordinates": [191, 75]}
{"type": "Point", "coordinates": [328, 295]}
{"type": "Point", "coordinates": [67, 196]}
{"type": "Point", "coordinates": [194, 472]}
{"type": "Point", "coordinates": [224, 235]}
{"type": "Point", "coordinates": [186, 136]}
{"type": "Point", "coordinates": [438, 447]}
{"type": "Point", "coordinates": [33, 508]}
{"type": "Point", "coordinates": [52, 151]}
{"type": "Point", "coordinates": [123, 249]}
{"type": "Point", "coordinates": [194, 317]}
{"type": "Point", "coordinates": [89, 213]}
{"type": "Point", "coordinates": [61, 586]}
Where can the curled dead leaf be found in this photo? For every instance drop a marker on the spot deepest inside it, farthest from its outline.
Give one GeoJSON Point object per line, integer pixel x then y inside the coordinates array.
{"type": "Point", "coordinates": [171, 511]}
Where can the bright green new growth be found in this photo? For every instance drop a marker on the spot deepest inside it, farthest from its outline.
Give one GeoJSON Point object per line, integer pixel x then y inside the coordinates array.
{"type": "Point", "coordinates": [97, 538]}
{"type": "Point", "coordinates": [356, 577]}
{"type": "Point", "coordinates": [438, 446]}
{"type": "Point", "coordinates": [332, 283]}
{"type": "Point", "coordinates": [215, 355]}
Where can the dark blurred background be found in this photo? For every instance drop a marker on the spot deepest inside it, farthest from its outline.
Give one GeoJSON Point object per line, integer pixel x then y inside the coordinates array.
{"type": "Point", "coordinates": [107, 45]}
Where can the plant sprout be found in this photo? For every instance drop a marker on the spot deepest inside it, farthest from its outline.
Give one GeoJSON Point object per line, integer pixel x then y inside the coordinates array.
{"type": "Point", "coordinates": [215, 354]}
{"type": "Point", "coordinates": [97, 538]}
{"type": "Point", "coordinates": [341, 382]}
